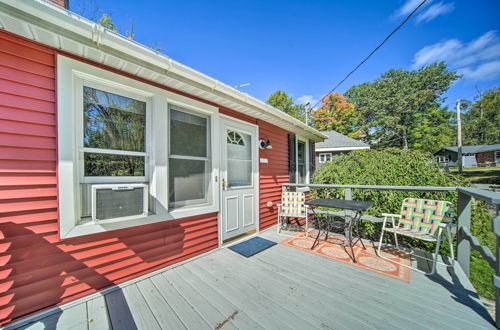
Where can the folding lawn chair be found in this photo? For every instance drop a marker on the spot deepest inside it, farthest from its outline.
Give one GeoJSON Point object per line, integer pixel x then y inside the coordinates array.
{"type": "Point", "coordinates": [423, 219]}
{"type": "Point", "coordinates": [292, 208]}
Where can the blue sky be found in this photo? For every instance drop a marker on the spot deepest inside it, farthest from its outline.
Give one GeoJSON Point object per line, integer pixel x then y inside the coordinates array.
{"type": "Point", "coordinates": [306, 47]}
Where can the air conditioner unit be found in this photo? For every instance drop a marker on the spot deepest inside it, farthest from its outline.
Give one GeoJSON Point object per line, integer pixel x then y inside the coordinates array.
{"type": "Point", "coordinates": [119, 201]}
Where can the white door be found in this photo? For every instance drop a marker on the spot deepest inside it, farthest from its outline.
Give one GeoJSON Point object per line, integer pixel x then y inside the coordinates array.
{"type": "Point", "coordinates": [238, 178]}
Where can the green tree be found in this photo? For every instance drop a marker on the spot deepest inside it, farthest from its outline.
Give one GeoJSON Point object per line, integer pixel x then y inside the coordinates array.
{"type": "Point", "coordinates": [481, 123]}
{"type": "Point", "coordinates": [282, 101]}
{"type": "Point", "coordinates": [337, 114]}
{"type": "Point", "coordinates": [403, 109]}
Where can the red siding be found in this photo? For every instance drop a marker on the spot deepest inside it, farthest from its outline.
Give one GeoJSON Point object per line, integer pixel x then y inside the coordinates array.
{"type": "Point", "coordinates": [37, 270]}
{"type": "Point", "coordinates": [272, 174]}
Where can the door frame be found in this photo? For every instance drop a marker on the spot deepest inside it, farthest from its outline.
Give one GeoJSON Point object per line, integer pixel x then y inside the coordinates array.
{"type": "Point", "coordinates": [256, 175]}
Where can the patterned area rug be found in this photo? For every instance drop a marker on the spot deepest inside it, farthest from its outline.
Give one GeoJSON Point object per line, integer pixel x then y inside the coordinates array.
{"type": "Point", "coordinates": [366, 259]}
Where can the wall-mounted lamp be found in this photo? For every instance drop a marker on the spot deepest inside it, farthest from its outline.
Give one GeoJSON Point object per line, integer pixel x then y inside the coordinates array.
{"type": "Point", "coordinates": [265, 144]}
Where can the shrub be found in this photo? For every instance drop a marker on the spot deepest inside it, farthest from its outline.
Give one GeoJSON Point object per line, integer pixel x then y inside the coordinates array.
{"type": "Point", "coordinates": [396, 167]}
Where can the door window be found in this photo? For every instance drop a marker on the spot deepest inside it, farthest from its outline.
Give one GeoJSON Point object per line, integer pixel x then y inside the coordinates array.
{"type": "Point", "coordinates": [239, 159]}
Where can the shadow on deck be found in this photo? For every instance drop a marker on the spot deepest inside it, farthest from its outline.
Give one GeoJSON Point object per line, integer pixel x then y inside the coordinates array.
{"type": "Point", "coordinates": [279, 288]}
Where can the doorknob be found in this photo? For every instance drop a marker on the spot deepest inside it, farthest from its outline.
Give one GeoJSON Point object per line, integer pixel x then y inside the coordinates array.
{"type": "Point", "coordinates": [224, 184]}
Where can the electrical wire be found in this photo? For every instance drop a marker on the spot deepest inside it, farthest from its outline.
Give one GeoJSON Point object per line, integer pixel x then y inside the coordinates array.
{"type": "Point", "coordinates": [373, 51]}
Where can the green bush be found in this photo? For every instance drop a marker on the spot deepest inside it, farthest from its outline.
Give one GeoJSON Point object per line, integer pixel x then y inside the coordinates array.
{"type": "Point", "coordinates": [396, 167]}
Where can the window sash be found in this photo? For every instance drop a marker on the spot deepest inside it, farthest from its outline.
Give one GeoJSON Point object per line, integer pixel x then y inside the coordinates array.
{"type": "Point", "coordinates": [208, 159]}
{"type": "Point", "coordinates": [80, 83]}
{"type": "Point", "coordinates": [303, 163]}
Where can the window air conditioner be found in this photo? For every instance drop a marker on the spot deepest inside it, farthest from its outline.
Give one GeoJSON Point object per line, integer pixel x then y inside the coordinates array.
{"type": "Point", "coordinates": [119, 201]}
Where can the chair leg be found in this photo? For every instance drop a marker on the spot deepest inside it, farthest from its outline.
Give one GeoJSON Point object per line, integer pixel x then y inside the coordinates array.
{"type": "Point", "coordinates": [381, 238]}
{"type": "Point", "coordinates": [436, 255]}
{"type": "Point", "coordinates": [396, 240]}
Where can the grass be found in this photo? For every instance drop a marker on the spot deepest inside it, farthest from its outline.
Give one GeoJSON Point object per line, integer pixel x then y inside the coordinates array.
{"type": "Point", "coordinates": [483, 175]}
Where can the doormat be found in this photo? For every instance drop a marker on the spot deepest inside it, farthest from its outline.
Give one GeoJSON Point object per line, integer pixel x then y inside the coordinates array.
{"type": "Point", "coordinates": [252, 246]}
{"type": "Point", "coordinates": [366, 259]}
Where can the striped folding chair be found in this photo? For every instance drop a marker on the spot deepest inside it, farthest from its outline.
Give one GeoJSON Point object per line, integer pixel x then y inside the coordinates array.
{"type": "Point", "coordinates": [292, 207]}
{"type": "Point", "coordinates": [423, 219]}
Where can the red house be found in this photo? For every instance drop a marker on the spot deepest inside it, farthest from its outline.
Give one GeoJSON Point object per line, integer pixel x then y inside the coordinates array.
{"type": "Point", "coordinates": [116, 160]}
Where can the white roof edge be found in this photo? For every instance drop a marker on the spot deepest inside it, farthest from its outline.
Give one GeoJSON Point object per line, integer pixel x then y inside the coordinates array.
{"type": "Point", "coordinates": [341, 149]}
{"type": "Point", "coordinates": [54, 15]}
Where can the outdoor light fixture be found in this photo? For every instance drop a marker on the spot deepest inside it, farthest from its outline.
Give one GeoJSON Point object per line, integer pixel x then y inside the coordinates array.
{"type": "Point", "coordinates": [265, 144]}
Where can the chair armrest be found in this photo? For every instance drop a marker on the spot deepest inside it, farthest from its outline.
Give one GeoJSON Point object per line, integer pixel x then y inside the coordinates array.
{"type": "Point", "coordinates": [447, 224]}
{"type": "Point", "coordinates": [391, 215]}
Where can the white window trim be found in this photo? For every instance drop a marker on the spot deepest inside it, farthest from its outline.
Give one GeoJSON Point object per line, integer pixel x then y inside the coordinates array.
{"type": "Point", "coordinates": [442, 159]}
{"type": "Point", "coordinates": [306, 142]}
{"type": "Point", "coordinates": [69, 71]}
{"type": "Point", "coordinates": [497, 156]}
{"type": "Point", "coordinates": [323, 159]}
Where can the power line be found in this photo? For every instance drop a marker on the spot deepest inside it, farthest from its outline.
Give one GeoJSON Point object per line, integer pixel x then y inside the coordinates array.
{"type": "Point", "coordinates": [374, 50]}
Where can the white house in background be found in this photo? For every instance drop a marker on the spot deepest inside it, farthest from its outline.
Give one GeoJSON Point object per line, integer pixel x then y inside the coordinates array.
{"type": "Point", "coordinates": [335, 144]}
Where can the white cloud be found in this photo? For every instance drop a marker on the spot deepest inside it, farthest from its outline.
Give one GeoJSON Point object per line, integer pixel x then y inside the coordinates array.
{"type": "Point", "coordinates": [434, 11]}
{"type": "Point", "coordinates": [427, 12]}
{"type": "Point", "coordinates": [485, 71]}
{"type": "Point", "coordinates": [476, 60]}
{"type": "Point", "coordinates": [407, 8]}
{"type": "Point", "coordinates": [307, 98]}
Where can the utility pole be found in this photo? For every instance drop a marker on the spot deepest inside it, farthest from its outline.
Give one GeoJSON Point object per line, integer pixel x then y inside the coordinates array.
{"type": "Point", "coordinates": [459, 137]}
{"type": "Point", "coordinates": [307, 112]}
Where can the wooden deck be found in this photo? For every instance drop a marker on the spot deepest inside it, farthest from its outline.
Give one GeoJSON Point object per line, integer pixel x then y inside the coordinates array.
{"type": "Point", "coordinates": [280, 288]}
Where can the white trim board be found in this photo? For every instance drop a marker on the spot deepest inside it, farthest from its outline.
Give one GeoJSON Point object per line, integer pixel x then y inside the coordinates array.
{"type": "Point", "coordinates": [340, 149]}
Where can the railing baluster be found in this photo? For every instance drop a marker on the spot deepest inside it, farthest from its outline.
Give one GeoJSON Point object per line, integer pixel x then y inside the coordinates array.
{"type": "Point", "coordinates": [463, 246]}
{"type": "Point", "coordinates": [348, 194]}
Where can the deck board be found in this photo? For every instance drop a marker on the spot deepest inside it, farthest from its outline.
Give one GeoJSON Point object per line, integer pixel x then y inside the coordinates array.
{"type": "Point", "coordinates": [183, 309]}
{"type": "Point", "coordinates": [97, 314]}
{"type": "Point", "coordinates": [279, 288]}
{"type": "Point", "coordinates": [164, 313]}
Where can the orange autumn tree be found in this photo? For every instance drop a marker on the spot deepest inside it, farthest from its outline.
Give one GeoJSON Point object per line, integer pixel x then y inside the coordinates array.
{"type": "Point", "coordinates": [337, 114]}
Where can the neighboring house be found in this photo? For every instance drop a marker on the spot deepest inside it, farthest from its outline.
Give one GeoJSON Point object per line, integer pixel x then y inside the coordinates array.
{"type": "Point", "coordinates": [335, 144]}
{"type": "Point", "coordinates": [116, 160]}
{"type": "Point", "coordinates": [479, 155]}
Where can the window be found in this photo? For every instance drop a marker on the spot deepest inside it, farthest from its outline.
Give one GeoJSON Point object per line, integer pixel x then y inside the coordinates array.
{"type": "Point", "coordinates": [189, 158]}
{"type": "Point", "coordinates": [300, 161]}
{"type": "Point", "coordinates": [114, 131]}
{"type": "Point", "coordinates": [497, 156]}
{"type": "Point", "coordinates": [442, 159]}
{"type": "Point", "coordinates": [129, 153]}
{"type": "Point", "coordinates": [239, 159]}
{"type": "Point", "coordinates": [325, 157]}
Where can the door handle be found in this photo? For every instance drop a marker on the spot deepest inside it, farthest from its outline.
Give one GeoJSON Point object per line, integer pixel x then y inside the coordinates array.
{"type": "Point", "coordinates": [224, 184]}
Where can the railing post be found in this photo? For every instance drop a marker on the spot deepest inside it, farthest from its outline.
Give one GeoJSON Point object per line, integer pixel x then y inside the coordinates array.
{"type": "Point", "coordinates": [463, 246]}
{"type": "Point", "coordinates": [348, 194]}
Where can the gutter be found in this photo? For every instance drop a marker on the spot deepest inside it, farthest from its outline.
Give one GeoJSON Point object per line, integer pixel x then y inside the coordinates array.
{"type": "Point", "coordinates": [75, 28]}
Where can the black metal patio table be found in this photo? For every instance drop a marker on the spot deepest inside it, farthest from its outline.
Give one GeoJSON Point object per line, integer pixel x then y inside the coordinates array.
{"type": "Point", "coordinates": [351, 221]}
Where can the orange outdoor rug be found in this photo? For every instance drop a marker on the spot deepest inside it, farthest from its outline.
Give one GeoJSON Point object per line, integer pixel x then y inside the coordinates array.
{"type": "Point", "coordinates": [366, 259]}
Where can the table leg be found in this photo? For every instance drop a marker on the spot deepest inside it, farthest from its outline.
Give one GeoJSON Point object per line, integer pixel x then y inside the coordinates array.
{"type": "Point", "coordinates": [318, 221]}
